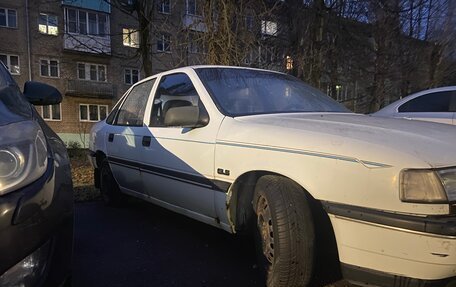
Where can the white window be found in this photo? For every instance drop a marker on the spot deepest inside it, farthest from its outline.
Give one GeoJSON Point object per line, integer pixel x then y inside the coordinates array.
{"type": "Point", "coordinates": [47, 24]}
{"type": "Point", "coordinates": [92, 113]}
{"type": "Point", "coordinates": [268, 28]}
{"type": "Point", "coordinates": [49, 68]}
{"type": "Point", "coordinates": [131, 37]}
{"type": "Point", "coordinates": [164, 7]}
{"type": "Point", "coordinates": [52, 112]}
{"type": "Point", "coordinates": [192, 7]}
{"type": "Point", "coordinates": [87, 23]}
{"type": "Point", "coordinates": [92, 72]}
{"type": "Point", "coordinates": [131, 76]}
{"type": "Point", "coordinates": [11, 62]}
{"type": "Point", "coordinates": [8, 18]}
{"type": "Point", "coordinates": [163, 42]}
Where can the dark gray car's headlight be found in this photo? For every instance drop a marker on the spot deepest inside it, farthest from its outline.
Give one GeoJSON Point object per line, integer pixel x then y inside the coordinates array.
{"type": "Point", "coordinates": [23, 155]}
{"type": "Point", "coordinates": [428, 186]}
{"type": "Point", "coordinates": [29, 271]}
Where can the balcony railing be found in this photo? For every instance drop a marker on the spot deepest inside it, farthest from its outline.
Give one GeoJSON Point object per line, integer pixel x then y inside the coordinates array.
{"type": "Point", "coordinates": [90, 89]}
{"type": "Point", "coordinates": [194, 22]}
{"type": "Point", "coordinates": [87, 43]}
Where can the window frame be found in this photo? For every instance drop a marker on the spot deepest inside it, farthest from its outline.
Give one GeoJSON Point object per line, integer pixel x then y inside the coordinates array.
{"type": "Point", "coordinates": [265, 25]}
{"type": "Point", "coordinates": [131, 76]}
{"type": "Point", "coordinates": [49, 68]}
{"type": "Point", "coordinates": [86, 22]}
{"type": "Point", "coordinates": [452, 94]}
{"type": "Point", "coordinates": [161, 6]}
{"type": "Point", "coordinates": [51, 113]}
{"type": "Point", "coordinates": [7, 10]}
{"type": "Point", "coordinates": [161, 39]}
{"type": "Point", "coordinates": [87, 67]}
{"type": "Point", "coordinates": [47, 24]}
{"type": "Point", "coordinates": [187, 10]}
{"type": "Point", "coordinates": [155, 91]}
{"type": "Point", "coordinates": [8, 63]}
{"type": "Point", "coordinates": [125, 97]}
{"type": "Point", "coordinates": [88, 120]}
{"type": "Point", "coordinates": [126, 35]}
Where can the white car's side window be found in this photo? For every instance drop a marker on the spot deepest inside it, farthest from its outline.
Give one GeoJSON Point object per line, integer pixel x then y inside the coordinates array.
{"type": "Point", "coordinates": [175, 90]}
{"type": "Point", "coordinates": [431, 103]}
{"type": "Point", "coordinates": [132, 111]}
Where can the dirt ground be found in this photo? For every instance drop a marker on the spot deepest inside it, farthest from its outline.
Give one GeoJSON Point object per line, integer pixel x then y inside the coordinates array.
{"type": "Point", "coordinates": [82, 174]}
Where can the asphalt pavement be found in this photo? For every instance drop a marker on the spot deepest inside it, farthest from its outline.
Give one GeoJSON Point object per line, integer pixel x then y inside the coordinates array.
{"type": "Point", "coordinates": [145, 245]}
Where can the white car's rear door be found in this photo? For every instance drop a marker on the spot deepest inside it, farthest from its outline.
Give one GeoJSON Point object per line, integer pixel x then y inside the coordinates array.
{"type": "Point", "coordinates": [124, 139]}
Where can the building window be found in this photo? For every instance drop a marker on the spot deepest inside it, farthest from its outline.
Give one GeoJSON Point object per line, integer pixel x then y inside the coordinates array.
{"type": "Point", "coordinates": [131, 37]}
{"type": "Point", "coordinates": [163, 43]}
{"type": "Point", "coordinates": [92, 72]}
{"type": "Point", "coordinates": [164, 7]}
{"type": "Point", "coordinates": [192, 7]}
{"type": "Point", "coordinates": [11, 62]}
{"type": "Point", "coordinates": [8, 18]}
{"type": "Point", "coordinates": [131, 76]}
{"type": "Point", "coordinates": [49, 68]}
{"type": "Point", "coordinates": [194, 45]}
{"type": "Point", "coordinates": [268, 28]}
{"type": "Point", "coordinates": [86, 23]}
{"type": "Point", "coordinates": [249, 22]}
{"type": "Point", "coordinates": [52, 112]}
{"type": "Point", "coordinates": [92, 113]}
{"type": "Point", "coordinates": [47, 24]}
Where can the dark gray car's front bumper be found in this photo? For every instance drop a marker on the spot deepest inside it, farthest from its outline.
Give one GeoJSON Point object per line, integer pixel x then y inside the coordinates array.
{"type": "Point", "coordinates": [36, 215]}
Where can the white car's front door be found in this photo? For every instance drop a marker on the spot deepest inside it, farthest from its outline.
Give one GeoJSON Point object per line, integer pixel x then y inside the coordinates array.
{"type": "Point", "coordinates": [180, 161]}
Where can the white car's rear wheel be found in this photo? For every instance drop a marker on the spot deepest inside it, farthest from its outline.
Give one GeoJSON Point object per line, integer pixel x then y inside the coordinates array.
{"type": "Point", "coordinates": [284, 232]}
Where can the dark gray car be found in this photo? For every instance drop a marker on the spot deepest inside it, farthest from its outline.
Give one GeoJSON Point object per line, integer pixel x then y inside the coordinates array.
{"type": "Point", "coordinates": [36, 191]}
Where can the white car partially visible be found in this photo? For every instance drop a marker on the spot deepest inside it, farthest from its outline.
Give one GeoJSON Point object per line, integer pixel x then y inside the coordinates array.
{"type": "Point", "coordinates": [260, 152]}
{"type": "Point", "coordinates": [434, 105]}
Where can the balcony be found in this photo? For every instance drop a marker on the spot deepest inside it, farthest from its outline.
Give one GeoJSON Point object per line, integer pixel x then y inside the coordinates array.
{"type": "Point", "coordinates": [194, 22]}
{"type": "Point", "coordinates": [87, 43]}
{"type": "Point", "coordinates": [90, 89]}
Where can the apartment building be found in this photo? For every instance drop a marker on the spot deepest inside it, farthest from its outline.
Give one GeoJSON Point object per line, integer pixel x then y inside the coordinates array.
{"type": "Point", "coordinates": [77, 46]}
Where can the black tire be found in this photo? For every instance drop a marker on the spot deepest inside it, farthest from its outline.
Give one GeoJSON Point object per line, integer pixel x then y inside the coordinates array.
{"type": "Point", "coordinates": [109, 189]}
{"type": "Point", "coordinates": [284, 232]}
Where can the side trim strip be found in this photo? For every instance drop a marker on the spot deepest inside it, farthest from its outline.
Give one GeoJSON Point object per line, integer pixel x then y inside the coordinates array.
{"type": "Point", "coordinates": [367, 164]}
{"type": "Point", "coordinates": [364, 276]}
{"type": "Point", "coordinates": [443, 225]}
{"type": "Point", "coordinates": [217, 185]}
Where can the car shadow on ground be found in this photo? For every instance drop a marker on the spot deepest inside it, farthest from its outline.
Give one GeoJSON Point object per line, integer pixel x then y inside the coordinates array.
{"type": "Point", "coordinates": [144, 245]}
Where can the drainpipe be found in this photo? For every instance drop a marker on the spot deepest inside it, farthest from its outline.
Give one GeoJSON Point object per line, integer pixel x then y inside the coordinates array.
{"type": "Point", "coordinates": [27, 26]}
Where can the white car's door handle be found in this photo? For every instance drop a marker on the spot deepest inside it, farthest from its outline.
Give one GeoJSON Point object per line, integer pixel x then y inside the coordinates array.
{"type": "Point", "coordinates": [146, 140]}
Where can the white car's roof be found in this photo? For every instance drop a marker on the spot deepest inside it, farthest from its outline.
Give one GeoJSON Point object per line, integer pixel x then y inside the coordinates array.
{"type": "Point", "coordinates": [393, 107]}
{"type": "Point", "coordinates": [192, 68]}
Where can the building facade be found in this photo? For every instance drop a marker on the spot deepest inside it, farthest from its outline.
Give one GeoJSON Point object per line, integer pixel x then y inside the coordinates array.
{"type": "Point", "coordinates": [76, 46]}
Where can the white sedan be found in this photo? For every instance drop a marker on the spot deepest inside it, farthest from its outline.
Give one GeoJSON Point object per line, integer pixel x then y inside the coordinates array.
{"type": "Point", "coordinates": [434, 105]}
{"type": "Point", "coordinates": [250, 150]}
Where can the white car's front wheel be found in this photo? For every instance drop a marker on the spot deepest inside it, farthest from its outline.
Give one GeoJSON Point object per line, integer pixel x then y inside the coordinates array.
{"type": "Point", "coordinates": [284, 232]}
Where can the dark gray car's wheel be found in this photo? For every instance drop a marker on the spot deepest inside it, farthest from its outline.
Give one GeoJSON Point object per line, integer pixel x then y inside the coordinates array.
{"type": "Point", "coordinates": [109, 188]}
{"type": "Point", "coordinates": [284, 232]}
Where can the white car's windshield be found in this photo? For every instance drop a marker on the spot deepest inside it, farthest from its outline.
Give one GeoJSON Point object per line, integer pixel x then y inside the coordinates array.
{"type": "Point", "coordinates": [240, 92]}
